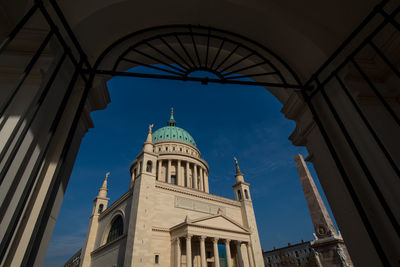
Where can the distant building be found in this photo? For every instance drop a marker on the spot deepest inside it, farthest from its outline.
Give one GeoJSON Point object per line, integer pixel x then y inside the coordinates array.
{"type": "Point", "coordinates": [75, 260]}
{"type": "Point", "coordinates": [292, 255]}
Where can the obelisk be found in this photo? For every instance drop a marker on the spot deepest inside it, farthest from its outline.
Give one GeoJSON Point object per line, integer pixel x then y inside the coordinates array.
{"type": "Point", "coordinates": [319, 215]}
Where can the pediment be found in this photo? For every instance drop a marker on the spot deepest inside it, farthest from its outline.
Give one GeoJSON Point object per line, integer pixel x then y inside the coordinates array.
{"type": "Point", "coordinates": [219, 222]}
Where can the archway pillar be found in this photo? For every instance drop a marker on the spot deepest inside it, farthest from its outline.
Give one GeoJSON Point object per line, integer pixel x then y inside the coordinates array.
{"type": "Point", "coordinates": [341, 200]}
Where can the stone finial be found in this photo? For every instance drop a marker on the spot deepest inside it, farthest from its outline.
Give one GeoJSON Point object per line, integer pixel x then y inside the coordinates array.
{"type": "Point", "coordinates": [239, 174]}
{"type": "Point", "coordinates": [151, 128]}
{"type": "Point", "coordinates": [237, 166]}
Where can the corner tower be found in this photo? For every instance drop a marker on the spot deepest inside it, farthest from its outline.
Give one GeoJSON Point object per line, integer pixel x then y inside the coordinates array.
{"type": "Point", "coordinates": [242, 194]}
{"type": "Point", "coordinates": [99, 204]}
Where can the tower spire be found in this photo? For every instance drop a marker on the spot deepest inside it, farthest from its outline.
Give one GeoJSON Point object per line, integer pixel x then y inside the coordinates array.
{"type": "Point", "coordinates": [148, 144]}
{"type": "Point", "coordinates": [239, 174]}
{"type": "Point", "coordinates": [103, 189]}
{"type": "Point", "coordinates": [319, 215]}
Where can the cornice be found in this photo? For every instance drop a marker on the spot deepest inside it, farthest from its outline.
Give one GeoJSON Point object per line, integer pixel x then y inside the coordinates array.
{"type": "Point", "coordinates": [196, 193]}
{"type": "Point", "coordinates": [177, 142]}
{"type": "Point", "coordinates": [160, 229]}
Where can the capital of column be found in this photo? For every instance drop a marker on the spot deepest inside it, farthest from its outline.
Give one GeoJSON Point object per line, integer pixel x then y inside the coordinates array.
{"type": "Point", "coordinates": [227, 241]}
{"type": "Point", "coordinates": [203, 237]}
{"type": "Point", "coordinates": [188, 236]}
{"type": "Point", "coordinates": [215, 239]}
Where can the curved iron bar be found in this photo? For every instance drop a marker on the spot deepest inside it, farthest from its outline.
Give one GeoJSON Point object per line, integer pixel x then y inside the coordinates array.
{"type": "Point", "coordinates": [211, 69]}
{"type": "Point", "coordinates": [174, 27]}
{"type": "Point", "coordinates": [215, 72]}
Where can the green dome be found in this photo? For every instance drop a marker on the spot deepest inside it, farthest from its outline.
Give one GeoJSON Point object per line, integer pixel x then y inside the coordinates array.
{"type": "Point", "coordinates": [172, 133]}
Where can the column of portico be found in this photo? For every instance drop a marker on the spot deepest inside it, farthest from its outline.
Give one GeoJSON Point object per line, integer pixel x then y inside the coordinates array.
{"type": "Point", "coordinates": [228, 252]}
{"type": "Point", "coordinates": [178, 252]}
{"type": "Point", "coordinates": [188, 184]}
{"type": "Point", "coordinates": [250, 255]}
{"type": "Point", "coordinates": [168, 180]}
{"type": "Point", "coordinates": [203, 251]}
{"type": "Point", "coordinates": [188, 251]}
{"type": "Point", "coordinates": [196, 184]}
{"type": "Point", "coordinates": [159, 170]}
{"type": "Point", "coordinates": [239, 253]}
{"type": "Point", "coordinates": [216, 256]}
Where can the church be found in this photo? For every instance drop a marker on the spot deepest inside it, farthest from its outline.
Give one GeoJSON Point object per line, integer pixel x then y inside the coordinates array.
{"type": "Point", "coordinates": [168, 217]}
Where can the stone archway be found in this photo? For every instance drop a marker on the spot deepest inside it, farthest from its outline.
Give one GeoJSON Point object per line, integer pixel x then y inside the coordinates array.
{"type": "Point", "coordinates": [351, 133]}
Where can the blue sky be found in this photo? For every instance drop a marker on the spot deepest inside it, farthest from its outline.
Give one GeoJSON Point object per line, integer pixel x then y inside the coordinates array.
{"type": "Point", "coordinates": [224, 120]}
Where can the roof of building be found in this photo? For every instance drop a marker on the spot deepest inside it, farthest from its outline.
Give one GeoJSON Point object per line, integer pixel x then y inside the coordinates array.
{"type": "Point", "coordinates": [172, 133]}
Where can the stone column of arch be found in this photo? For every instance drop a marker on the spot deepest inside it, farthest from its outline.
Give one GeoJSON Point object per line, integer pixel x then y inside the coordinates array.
{"type": "Point", "coordinates": [228, 252]}
{"type": "Point", "coordinates": [203, 258]}
{"type": "Point", "coordinates": [216, 256]}
{"type": "Point", "coordinates": [188, 251]}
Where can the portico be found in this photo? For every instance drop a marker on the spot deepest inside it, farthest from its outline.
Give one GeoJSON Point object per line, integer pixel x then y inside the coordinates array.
{"type": "Point", "coordinates": [197, 243]}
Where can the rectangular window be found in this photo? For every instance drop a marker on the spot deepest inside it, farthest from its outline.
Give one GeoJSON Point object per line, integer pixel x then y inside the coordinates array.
{"type": "Point", "coordinates": [156, 259]}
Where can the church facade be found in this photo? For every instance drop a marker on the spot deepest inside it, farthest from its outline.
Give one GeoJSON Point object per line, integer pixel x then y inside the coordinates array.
{"type": "Point", "coordinates": [168, 217]}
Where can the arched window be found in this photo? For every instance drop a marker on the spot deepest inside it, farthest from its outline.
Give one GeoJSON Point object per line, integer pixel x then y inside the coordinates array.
{"type": "Point", "coordinates": [149, 166]}
{"type": "Point", "coordinates": [239, 195]}
{"type": "Point", "coordinates": [101, 206]}
{"type": "Point", "coordinates": [116, 230]}
{"type": "Point", "coordinates": [246, 194]}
